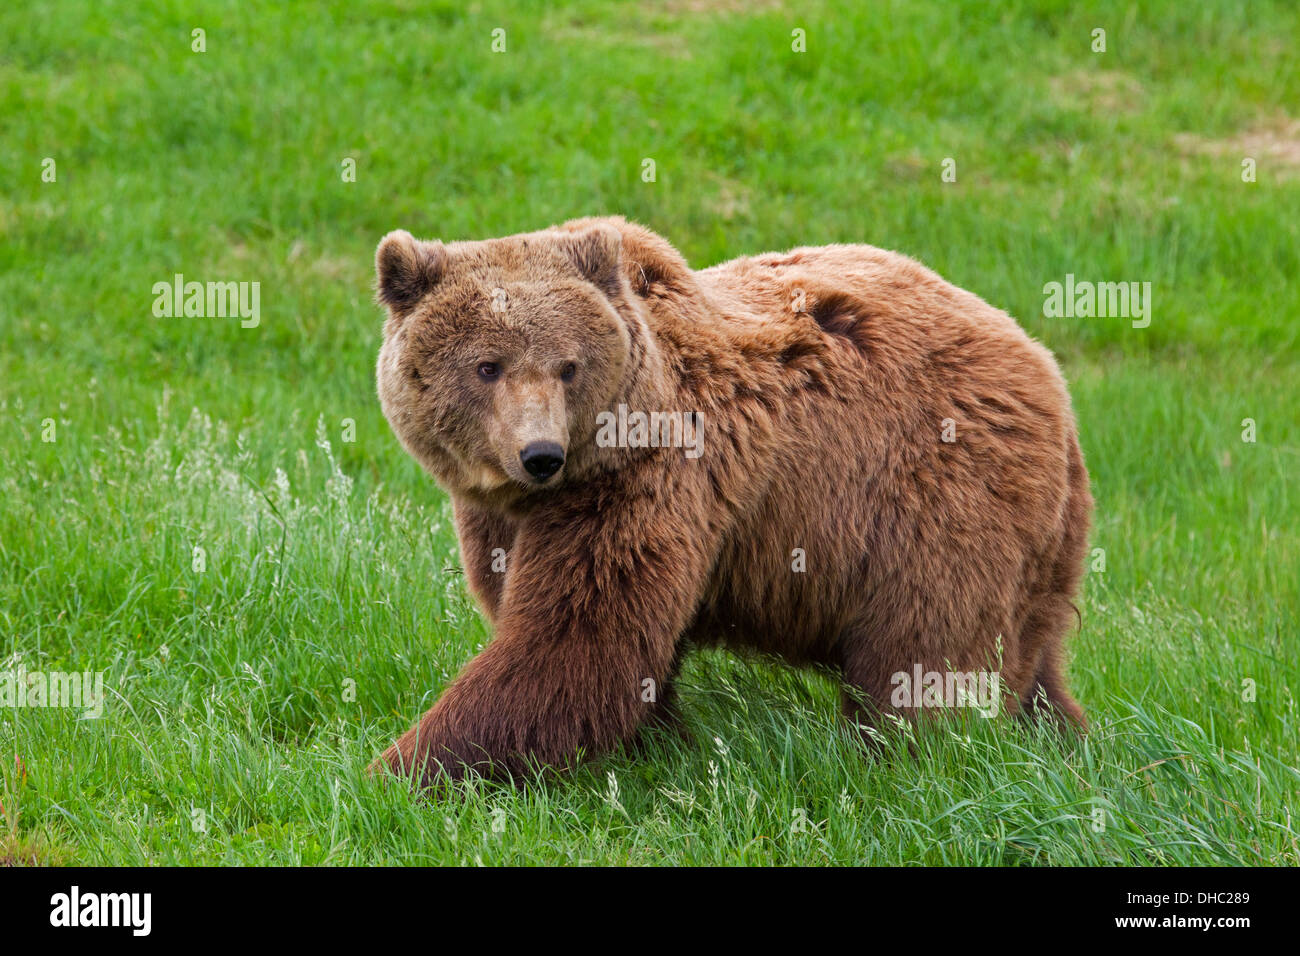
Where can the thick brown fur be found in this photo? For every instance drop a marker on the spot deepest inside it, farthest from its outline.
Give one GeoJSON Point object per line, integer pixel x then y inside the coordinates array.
{"type": "Point", "coordinates": [826, 378]}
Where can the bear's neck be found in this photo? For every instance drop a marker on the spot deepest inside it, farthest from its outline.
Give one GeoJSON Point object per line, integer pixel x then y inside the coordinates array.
{"type": "Point", "coordinates": [646, 383]}
{"type": "Point", "coordinates": [645, 387]}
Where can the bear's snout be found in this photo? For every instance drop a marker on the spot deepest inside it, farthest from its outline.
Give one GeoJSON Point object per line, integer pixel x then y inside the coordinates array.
{"type": "Point", "coordinates": [541, 459]}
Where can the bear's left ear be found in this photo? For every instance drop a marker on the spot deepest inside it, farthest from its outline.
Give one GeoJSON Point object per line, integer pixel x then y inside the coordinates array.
{"type": "Point", "coordinates": [406, 269]}
{"type": "Point", "coordinates": [597, 255]}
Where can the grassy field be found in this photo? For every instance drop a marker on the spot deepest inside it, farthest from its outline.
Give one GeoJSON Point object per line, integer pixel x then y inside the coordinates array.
{"type": "Point", "coordinates": [247, 691]}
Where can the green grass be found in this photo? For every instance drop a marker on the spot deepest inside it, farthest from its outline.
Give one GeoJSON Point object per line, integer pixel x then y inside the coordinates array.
{"type": "Point", "coordinates": [331, 611]}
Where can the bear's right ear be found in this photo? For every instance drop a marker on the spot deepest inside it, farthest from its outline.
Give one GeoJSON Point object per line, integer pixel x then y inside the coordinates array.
{"type": "Point", "coordinates": [407, 269]}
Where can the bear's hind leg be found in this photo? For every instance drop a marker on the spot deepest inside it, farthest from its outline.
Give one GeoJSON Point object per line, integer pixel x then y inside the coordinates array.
{"type": "Point", "coordinates": [1054, 613]}
{"type": "Point", "coordinates": [865, 690]}
{"type": "Point", "coordinates": [1048, 695]}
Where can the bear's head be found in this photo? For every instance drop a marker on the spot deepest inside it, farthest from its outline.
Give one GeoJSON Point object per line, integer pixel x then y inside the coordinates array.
{"type": "Point", "coordinates": [498, 355]}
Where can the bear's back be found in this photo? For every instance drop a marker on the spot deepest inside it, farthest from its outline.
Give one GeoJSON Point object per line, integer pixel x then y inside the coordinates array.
{"type": "Point", "coordinates": [823, 282]}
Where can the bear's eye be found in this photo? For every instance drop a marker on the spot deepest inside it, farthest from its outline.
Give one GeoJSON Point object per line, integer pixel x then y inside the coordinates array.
{"type": "Point", "coordinates": [489, 371]}
{"type": "Point", "coordinates": [567, 373]}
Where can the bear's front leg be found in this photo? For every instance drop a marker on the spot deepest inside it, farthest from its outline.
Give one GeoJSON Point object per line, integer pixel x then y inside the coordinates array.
{"type": "Point", "coordinates": [486, 540]}
{"type": "Point", "coordinates": [593, 609]}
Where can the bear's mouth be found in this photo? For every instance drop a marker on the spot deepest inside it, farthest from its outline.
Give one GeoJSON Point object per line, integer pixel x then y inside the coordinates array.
{"type": "Point", "coordinates": [535, 484]}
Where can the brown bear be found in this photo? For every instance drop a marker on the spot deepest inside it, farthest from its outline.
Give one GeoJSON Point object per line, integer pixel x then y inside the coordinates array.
{"type": "Point", "coordinates": [830, 455]}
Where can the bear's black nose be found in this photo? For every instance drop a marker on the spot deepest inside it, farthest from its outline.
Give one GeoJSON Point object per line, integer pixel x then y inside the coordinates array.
{"type": "Point", "coordinates": [541, 459]}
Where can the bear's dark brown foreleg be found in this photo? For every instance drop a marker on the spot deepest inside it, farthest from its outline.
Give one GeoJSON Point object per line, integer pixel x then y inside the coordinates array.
{"type": "Point", "coordinates": [486, 540]}
{"type": "Point", "coordinates": [591, 610]}
{"type": "Point", "coordinates": [665, 712]}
